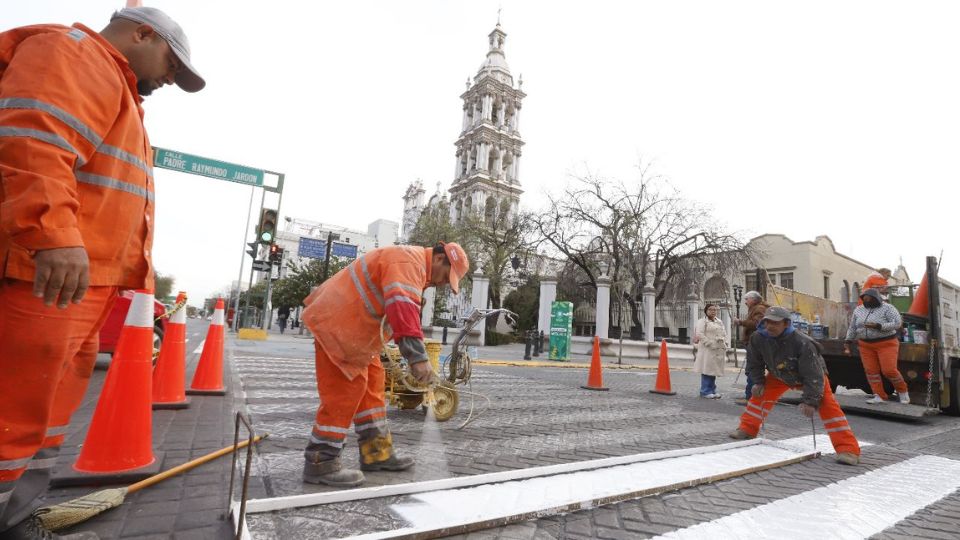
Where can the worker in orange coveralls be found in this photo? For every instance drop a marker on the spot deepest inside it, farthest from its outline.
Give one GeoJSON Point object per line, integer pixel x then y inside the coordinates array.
{"type": "Point", "coordinates": [344, 315]}
{"type": "Point", "coordinates": [76, 222]}
{"type": "Point", "coordinates": [792, 360]}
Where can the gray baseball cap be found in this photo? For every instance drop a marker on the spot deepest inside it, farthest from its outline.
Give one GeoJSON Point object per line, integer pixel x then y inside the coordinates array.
{"type": "Point", "coordinates": [776, 313]}
{"type": "Point", "coordinates": [188, 79]}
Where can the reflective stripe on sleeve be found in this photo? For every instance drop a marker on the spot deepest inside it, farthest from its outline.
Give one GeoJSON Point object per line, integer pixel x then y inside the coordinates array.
{"type": "Point", "coordinates": [126, 157]}
{"type": "Point", "coordinates": [45, 136]}
{"type": "Point", "coordinates": [113, 183]}
{"type": "Point", "coordinates": [404, 286]}
{"type": "Point", "coordinates": [395, 299]}
{"type": "Point", "coordinates": [36, 105]}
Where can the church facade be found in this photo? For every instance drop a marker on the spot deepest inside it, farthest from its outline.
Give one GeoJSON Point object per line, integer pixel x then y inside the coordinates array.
{"type": "Point", "coordinates": [486, 178]}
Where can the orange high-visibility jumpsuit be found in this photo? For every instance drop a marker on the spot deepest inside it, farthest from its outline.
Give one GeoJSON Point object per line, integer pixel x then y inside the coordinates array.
{"type": "Point", "coordinates": [76, 171]}
{"type": "Point", "coordinates": [344, 316]}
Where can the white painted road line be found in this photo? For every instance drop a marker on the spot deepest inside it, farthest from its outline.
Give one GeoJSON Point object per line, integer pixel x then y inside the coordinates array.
{"type": "Point", "coordinates": [495, 504]}
{"type": "Point", "coordinates": [199, 348]}
{"type": "Point", "coordinates": [854, 508]}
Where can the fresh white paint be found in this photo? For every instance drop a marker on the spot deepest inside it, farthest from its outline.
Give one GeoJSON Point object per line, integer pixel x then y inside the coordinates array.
{"type": "Point", "coordinates": [854, 508]}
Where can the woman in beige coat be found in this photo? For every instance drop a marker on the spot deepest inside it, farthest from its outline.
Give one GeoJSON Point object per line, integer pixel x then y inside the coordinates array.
{"type": "Point", "coordinates": [711, 342]}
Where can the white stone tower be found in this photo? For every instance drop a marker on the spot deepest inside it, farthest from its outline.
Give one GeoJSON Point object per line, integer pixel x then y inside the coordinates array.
{"type": "Point", "coordinates": [412, 208]}
{"type": "Point", "coordinates": [489, 147]}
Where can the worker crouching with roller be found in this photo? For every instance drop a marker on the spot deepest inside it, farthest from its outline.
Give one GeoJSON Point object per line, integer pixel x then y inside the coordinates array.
{"type": "Point", "coordinates": [780, 358]}
{"type": "Point", "coordinates": [344, 315]}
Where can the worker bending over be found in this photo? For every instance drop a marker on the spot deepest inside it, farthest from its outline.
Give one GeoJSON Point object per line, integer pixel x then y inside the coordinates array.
{"type": "Point", "coordinates": [344, 315]}
{"type": "Point", "coordinates": [781, 358]}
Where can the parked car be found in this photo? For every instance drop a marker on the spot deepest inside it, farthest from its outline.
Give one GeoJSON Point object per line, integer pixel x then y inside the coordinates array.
{"type": "Point", "coordinates": [110, 332]}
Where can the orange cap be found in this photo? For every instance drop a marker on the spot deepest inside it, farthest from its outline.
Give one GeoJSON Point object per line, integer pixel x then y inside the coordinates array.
{"type": "Point", "coordinates": [459, 264]}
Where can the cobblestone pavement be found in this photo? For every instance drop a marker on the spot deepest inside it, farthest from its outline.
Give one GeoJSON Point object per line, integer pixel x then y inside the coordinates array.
{"type": "Point", "coordinates": [540, 416]}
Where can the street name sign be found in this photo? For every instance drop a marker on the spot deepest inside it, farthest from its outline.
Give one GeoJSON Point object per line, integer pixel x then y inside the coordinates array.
{"type": "Point", "coordinates": [211, 168]}
{"type": "Point", "coordinates": [311, 247]}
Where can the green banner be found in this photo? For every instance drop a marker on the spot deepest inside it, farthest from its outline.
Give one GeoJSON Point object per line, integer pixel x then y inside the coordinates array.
{"type": "Point", "coordinates": [211, 168]}
{"type": "Point", "coordinates": [561, 328]}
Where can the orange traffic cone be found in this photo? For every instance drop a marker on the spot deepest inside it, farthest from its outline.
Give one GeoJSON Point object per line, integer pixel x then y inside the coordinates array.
{"type": "Point", "coordinates": [168, 375]}
{"type": "Point", "coordinates": [663, 373]}
{"type": "Point", "coordinates": [118, 443]}
{"type": "Point", "coordinates": [595, 378]}
{"type": "Point", "coordinates": [208, 379]}
{"type": "Point", "coordinates": [921, 300]}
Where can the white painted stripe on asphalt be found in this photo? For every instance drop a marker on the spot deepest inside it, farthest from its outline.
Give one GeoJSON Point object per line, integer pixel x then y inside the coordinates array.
{"type": "Point", "coordinates": [857, 507]}
{"type": "Point", "coordinates": [199, 348]}
{"type": "Point", "coordinates": [438, 510]}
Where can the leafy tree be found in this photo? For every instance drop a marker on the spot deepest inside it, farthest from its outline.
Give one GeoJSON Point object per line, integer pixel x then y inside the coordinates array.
{"type": "Point", "coordinates": [434, 226]}
{"type": "Point", "coordinates": [301, 278]}
{"type": "Point", "coordinates": [163, 285]}
{"type": "Point", "coordinates": [525, 302]}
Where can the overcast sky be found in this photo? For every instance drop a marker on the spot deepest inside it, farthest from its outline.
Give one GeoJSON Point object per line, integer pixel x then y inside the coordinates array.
{"type": "Point", "coordinates": [803, 118]}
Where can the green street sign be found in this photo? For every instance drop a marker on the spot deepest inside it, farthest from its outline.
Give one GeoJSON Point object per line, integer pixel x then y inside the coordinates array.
{"type": "Point", "coordinates": [211, 168]}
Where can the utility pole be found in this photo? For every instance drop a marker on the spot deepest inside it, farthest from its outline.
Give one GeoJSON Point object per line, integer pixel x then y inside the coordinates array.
{"type": "Point", "coordinates": [326, 261]}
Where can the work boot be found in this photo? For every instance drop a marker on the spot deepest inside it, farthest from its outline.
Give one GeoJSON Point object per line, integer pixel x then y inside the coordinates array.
{"type": "Point", "coordinates": [741, 435]}
{"type": "Point", "coordinates": [330, 472]}
{"type": "Point", "coordinates": [848, 458]}
{"type": "Point", "coordinates": [376, 454]}
{"type": "Point", "coordinates": [32, 529]}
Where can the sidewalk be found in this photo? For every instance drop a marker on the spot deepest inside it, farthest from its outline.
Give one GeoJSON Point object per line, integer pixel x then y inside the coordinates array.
{"type": "Point", "coordinates": [189, 506]}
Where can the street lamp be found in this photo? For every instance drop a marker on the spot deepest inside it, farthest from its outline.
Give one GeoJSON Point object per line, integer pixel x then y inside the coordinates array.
{"type": "Point", "coordinates": [737, 296]}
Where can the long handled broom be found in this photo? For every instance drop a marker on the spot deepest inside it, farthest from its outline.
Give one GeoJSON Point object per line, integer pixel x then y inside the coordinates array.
{"type": "Point", "coordinates": [75, 511]}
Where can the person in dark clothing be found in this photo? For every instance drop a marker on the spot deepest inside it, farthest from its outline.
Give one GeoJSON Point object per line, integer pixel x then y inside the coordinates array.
{"type": "Point", "coordinates": [783, 359]}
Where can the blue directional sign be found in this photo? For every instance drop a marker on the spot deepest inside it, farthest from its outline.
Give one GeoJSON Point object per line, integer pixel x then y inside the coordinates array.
{"type": "Point", "coordinates": [313, 248]}
{"type": "Point", "coordinates": [344, 250]}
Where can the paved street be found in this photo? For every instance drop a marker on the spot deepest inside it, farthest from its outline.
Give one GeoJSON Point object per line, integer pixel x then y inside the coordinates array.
{"type": "Point", "coordinates": [522, 417]}
{"type": "Point", "coordinates": [540, 416]}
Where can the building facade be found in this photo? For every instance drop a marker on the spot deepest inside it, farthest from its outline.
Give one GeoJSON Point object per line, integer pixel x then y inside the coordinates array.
{"type": "Point", "coordinates": [488, 151]}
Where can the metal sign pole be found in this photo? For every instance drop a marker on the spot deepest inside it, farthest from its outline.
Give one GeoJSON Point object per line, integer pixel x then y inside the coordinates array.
{"type": "Point", "coordinates": [243, 256]}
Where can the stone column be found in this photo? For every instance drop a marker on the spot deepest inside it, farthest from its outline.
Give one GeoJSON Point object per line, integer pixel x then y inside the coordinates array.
{"type": "Point", "coordinates": [649, 310]}
{"type": "Point", "coordinates": [603, 307]}
{"type": "Point", "coordinates": [481, 290]}
{"type": "Point", "coordinates": [693, 308]}
{"type": "Point", "coordinates": [466, 108]}
{"type": "Point", "coordinates": [516, 119]}
{"type": "Point", "coordinates": [725, 317]}
{"type": "Point", "coordinates": [548, 295]}
{"type": "Point", "coordinates": [516, 168]}
{"type": "Point", "coordinates": [426, 314]}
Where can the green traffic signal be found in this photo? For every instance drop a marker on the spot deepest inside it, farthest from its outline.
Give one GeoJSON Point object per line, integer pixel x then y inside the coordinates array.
{"type": "Point", "coordinates": [267, 229]}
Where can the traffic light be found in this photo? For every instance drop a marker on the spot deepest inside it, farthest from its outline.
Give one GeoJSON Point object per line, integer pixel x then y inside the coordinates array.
{"type": "Point", "coordinates": [253, 249]}
{"type": "Point", "coordinates": [267, 229]}
{"type": "Point", "coordinates": [276, 254]}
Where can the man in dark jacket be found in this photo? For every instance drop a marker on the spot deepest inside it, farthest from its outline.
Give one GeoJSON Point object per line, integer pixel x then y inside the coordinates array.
{"type": "Point", "coordinates": [784, 359]}
{"type": "Point", "coordinates": [756, 307]}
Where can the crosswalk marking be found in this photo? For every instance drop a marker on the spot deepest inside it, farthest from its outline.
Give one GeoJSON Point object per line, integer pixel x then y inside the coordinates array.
{"type": "Point", "coordinates": [857, 507]}
{"type": "Point", "coordinates": [199, 348]}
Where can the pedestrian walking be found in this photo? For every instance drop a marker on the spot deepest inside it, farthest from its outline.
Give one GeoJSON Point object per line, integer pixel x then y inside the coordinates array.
{"type": "Point", "coordinates": [345, 315]}
{"type": "Point", "coordinates": [76, 222]}
{"type": "Point", "coordinates": [782, 359]}
{"type": "Point", "coordinates": [876, 324]}
{"type": "Point", "coordinates": [711, 340]}
{"type": "Point", "coordinates": [756, 307]}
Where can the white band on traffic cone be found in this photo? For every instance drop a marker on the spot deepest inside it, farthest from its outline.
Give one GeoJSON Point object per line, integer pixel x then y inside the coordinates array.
{"type": "Point", "coordinates": [180, 317]}
{"type": "Point", "coordinates": [140, 314]}
{"type": "Point", "coordinates": [218, 317]}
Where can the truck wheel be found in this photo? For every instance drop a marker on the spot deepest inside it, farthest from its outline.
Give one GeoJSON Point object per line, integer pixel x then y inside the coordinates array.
{"type": "Point", "coordinates": [954, 408]}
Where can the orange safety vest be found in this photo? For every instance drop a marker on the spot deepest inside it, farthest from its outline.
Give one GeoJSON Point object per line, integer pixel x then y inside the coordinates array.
{"type": "Point", "coordinates": [76, 166]}
{"type": "Point", "coordinates": [344, 313]}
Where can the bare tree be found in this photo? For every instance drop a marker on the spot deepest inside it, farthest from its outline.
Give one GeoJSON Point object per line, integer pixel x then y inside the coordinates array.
{"type": "Point", "coordinates": [491, 240]}
{"type": "Point", "coordinates": [643, 229]}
